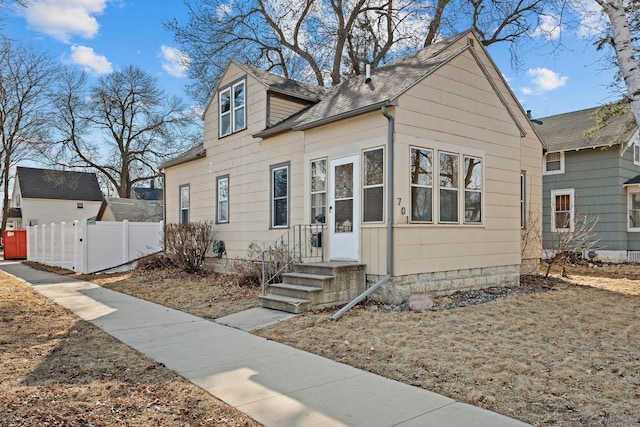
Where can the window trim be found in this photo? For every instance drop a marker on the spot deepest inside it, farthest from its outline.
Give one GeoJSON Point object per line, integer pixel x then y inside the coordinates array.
{"type": "Point", "coordinates": [232, 108]}
{"type": "Point", "coordinates": [220, 179]}
{"type": "Point", "coordinates": [465, 189]}
{"type": "Point", "coordinates": [313, 193]}
{"type": "Point", "coordinates": [523, 199]}
{"type": "Point", "coordinates": [272, 169]}
{"type": "Point", "coordinates": [571, 193]}
{"type": "Point", "coordinates": [544, 164]}
{"type": "Point", "coordinates": [412, 185]}
{"type": "Point", "coordinates": [630, 194]}
{"type": "Point", "coordinates": [455, 189]}
{"type": "Point", "coordinates": [636, 151]}
{"type": "Point", "coordinates": [180, 207]}
{"type": "Point", "coordinates": [366, 187]}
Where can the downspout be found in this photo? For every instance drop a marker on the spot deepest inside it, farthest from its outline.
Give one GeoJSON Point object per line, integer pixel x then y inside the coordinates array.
{"type": "Point", "coordinates": [390, 131]}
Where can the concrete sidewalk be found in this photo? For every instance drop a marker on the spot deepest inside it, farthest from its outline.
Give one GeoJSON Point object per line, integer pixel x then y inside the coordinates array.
{"type": "Point", "coordinates": [274, 384]}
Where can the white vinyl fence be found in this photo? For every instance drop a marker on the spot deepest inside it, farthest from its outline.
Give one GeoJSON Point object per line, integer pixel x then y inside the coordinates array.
{"type": "Point", "coordinates": [92, 246]}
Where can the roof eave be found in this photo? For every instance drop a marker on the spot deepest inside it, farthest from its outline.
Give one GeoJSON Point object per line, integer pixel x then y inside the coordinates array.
{"type": "Point", "coordinates": [175, 162]}
{"type": "Point", "coordinates": [342, 116]}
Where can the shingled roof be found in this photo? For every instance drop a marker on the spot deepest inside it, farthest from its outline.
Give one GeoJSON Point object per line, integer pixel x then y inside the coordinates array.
{"type": "Point", "coordinates": [133, 209]}
{"type": "Point", "coordinates": [566, 132]}
{"type": "Point", "coordinates": [56, 184]}
{"type": "Point", "coordinates": [355, 96]}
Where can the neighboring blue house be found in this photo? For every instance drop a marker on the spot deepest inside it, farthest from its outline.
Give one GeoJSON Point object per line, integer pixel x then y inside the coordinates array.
{"type": "Point", "coordinates": [596, 175]}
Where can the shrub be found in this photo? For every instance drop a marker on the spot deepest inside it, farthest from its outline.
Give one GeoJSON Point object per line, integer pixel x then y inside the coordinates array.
{"type": "Point", "coordinates": [155, 262]}
{"type": "Point", "coordinates": [186, 244]}
{"type": "Point", "coordinates": [249, 270]}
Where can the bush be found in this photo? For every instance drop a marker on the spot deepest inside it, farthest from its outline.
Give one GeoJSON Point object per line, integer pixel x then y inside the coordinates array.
{"type": "Point", "coordinates": [249, 270]}
{"type": "Point", "coordinates": [155, 262]}
{"type": "Point", "coordinates": [186, 244]}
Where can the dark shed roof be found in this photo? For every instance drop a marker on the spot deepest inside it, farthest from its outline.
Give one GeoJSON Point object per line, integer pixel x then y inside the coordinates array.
{"type": "Point", "coordinates": [57, 184]}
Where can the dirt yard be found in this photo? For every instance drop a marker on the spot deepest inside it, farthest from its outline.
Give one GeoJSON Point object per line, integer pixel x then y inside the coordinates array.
{"type": "Point", "coordinates": [551, 352]}
{"type": "Point", "coordinates": [58, 370]}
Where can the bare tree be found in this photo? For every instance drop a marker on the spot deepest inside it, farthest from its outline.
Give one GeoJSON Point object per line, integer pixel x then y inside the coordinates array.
{"type": "Point", "coordinates": [25, 78]}
{"type": "Point", "coordinates": [571, 242]}
{"type": "Point", "coordinates": [324, 40]}
{"type": "Point", "coordinates": [123, 126]}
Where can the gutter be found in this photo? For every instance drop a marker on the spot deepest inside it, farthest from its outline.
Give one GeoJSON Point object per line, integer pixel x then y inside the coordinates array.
{"type": "Point", "coordinates": [385, 279]}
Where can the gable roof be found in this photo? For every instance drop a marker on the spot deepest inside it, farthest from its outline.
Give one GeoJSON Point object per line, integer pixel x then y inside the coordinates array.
{"type": "Point", "coordinates": [566, 132]}
{"type": "Point", "coordinates": [193, 153]}
{"type": "Point", "coordinates": [134, 210]}
{"type": "Point", "coordinates": [56, 184]}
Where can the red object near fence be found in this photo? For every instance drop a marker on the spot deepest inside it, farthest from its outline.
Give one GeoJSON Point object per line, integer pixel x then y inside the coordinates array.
{"type": "Point", "coordinates": [15, 244]}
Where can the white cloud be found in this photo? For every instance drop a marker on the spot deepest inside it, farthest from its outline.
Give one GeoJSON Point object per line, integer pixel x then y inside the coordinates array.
{"type": "Point", "coordinates": [63, 18]}
{"type": "Point", "coordinates": [545, 79]}
{"type": "Point", "coordinates": [527, 90]}
{"type": "Point", "coordinates": [549, 28]}
{"type": "Point", "coordinates": [89, 60]}
{"type": "Point", "coordinates": [592, 19]}
{"type": "Point", "coordinates": [174, 61]}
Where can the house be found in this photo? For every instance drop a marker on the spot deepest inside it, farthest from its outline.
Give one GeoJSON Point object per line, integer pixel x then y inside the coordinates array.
{"type": "Point", "coordinates": [134, 210]}
{"type": "Point", "coordinates": [43, 196]}
{"type": "Point", "coordinates": [593, 171]}
{"type": "Point", "coordinates": [420, 172]}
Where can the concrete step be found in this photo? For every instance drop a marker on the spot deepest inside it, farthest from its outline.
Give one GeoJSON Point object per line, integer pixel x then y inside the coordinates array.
{"type": "Point", "coordinates": [283, 303]}
{"type": "Point", "coordinates": [324, 268]}
{"type": "Point", "coordinates": [294, 290]}
{"type": "Point", "coordinates": [308, 279]}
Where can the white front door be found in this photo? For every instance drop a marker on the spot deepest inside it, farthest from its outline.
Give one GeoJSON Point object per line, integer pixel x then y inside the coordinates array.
{"type": "Point", "coordinates": [344, 209]}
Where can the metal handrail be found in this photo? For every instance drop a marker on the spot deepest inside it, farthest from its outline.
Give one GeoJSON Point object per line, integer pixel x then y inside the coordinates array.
{"type": "Point", "coordinates": [301, 242]}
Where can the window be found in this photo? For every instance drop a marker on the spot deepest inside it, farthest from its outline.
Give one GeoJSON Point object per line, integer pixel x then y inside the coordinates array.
{"type": "Point", "coordinates": [634, 210]}
{"type": "Point", "coordinates": [523, 187]}
{"type": "Point", "coordinates": [318, 191]}
{"type": "Point", "coordinates": [421, 185]}
{"type": "Point", "coordinates": [373, 185]}
{"type": "Point", "coordinates": [636, 151]}
{"type": "Point", "coordinates": [562, 210]}
{"type": "Point", "coordinates": [553, 163]}
{"type": "Point", "coordinates": [232, 108]}
{"type": "Point", "coordinates": [223, 199]}
{"type": "Point", "coordinates": [448, 169]}
{"type": "Point", "coordinates": [472, 190]}
{"type": "Point", "coordinates": [280, 195]}
{"type": "Point", "coordinates": [79, 205]}
{"type": "Point", "coordinates": [184, 204]}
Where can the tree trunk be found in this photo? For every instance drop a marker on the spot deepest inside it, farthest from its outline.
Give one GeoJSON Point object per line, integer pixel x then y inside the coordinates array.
{"type": "Point", "coordinates": [624, 52]}
{"type": "Point", "coordinates": [5, 200]}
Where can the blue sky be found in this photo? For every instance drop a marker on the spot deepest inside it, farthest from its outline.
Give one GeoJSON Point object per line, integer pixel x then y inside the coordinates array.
{"type": "Point", "coordinates": [104, 35]}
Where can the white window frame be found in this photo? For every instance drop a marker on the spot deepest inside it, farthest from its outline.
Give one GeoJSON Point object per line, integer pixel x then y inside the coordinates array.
{"type": "Point", "coordinates": [234, 110]}
{"type": "Point", "coordinates": [630, 226]}
{"type": "Point", "coordinates": [313, 192]}
{"type": "Point", "coordinates": [572, 209]}
{"type": "Point", "coordinates": [553, 172]}
{"type": "Point", "coordinates": [417, 185]}
{"type": "Point", "coordinates": [183, 209]}
{"type": "Point", "coordinates": [366, 186]}
{"type": "Point", "coordinates": [472, 190]}
{"type": "Point", "coordinates": [636, 152]}
{"type": "Point", "coordinates": [451, 189]}
{"type": "Point", "coordinates": [273, 169]}
{"type": "Point", "coordinates": [221, 198]}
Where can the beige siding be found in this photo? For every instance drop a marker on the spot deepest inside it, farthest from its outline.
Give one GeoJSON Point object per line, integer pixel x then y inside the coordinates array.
{"type": "Point", "coordinates": [281, 108]}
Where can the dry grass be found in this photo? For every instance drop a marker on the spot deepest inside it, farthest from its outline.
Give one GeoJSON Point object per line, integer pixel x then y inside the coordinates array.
{"type": "Point", "coordinates": [58, 370]}
{"type": "Point", "coordinates": [569, 356]}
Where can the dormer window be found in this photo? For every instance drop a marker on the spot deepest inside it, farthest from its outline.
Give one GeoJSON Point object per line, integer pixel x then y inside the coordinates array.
{"type": "Point", "coordinates": [232, 108]}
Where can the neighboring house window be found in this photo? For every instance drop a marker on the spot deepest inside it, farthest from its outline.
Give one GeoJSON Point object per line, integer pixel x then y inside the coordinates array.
{"type": "Point", "coordinates": [373, 185]}
{"type": "Point", "coordinates": [280, 195]}
{"type": "Point", "coordinates": [184, 204]}
{"type": "Point", "coordinates": [318, 191]}
{"type": "Point", "coordinates": [33, 222]}
{"type": "Point", "coordinates": [223, 199]}
{"type": "Point", "coordinates": [448, 169]}
{"type": "Point", "coordinates": [553, 163]}
{"type": "Point", "coordinates": [80, 205]}
{"type": "Point", "coordinates": [562, 210]}
{"type": "Point", "coordinates": [634, 210]}
{"type": "Point", "coordinates": [232, 107]}
{"type": "Point", "coordinates": [472, 190]}
{"type": "Point", "coordinates": [523, 200]}
{"type": "Point", "coordinates": [636, 151]}
{"type": "Point", "coordinates": [421, 185]}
